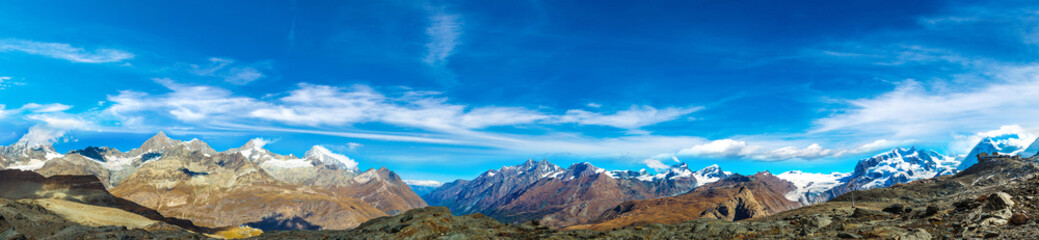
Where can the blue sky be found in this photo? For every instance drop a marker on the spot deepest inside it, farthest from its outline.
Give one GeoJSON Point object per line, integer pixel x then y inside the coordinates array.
{"type": "Point", "coordinates": [447, 89]}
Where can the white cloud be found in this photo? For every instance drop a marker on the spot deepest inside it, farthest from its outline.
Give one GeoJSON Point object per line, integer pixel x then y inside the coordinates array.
{"type": "Point", "coordinates": [45, 108]}
{"type": "Point", "coordinates": [424, 183]}
{"type": "Point", "coordinates": [243, 75]}
{"type": "Point", "coordinates": [50, 129]}
{"type": "Point", "coordinates": [914, 111]}
{"type": "Point", "coordinates": [351, 146]}
{"type": "Point", "coordinates": [191, 103]}
{"type": "Point", "coordinates": [65, 51]}
{"type": "Point", "coordinates": [810, 152]}
{"type": "Point", "coordinates": [334, 111]}
{"type": "Point", "coordinates": [634, 118]}
{"type": "Point", "coordinates": [234, 74]}
{"type": "Point", "coordinates": [729, 148]}
{"type": "Point", "coordinates": [6, 82]}
{"type": "Point", "coordinates": [655, 164]}
{"type": "Point", "coordinates": [722, 148]}
{"type": "Point", "coordinates": [1016, 136]}
{"type": "Point", "coordinates": [444, 31]}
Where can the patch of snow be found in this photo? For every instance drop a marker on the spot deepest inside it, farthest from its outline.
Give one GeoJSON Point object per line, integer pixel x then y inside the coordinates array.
{"type": "Point", "coordinates": [31, 165]}
{"type": "Point", "coordinates": [810, 185]}
{"type": "Point", "coordinates": [52, 155]}
{"type": "Point", "coordinates": [288, 163]}
{"type": "Point", "coordinates": [323, 155]}
{"type": "Point", "coordinates": [117, 163]}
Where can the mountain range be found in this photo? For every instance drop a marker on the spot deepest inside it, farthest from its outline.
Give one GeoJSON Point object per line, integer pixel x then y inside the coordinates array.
{"type": "Point", "coordinates": [190, 180]}
{"type": "Point", "coordinates": [189, 185]}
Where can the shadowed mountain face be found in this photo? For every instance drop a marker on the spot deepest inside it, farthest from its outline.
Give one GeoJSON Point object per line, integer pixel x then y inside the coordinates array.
{"type": "Point", "coordinates": [16, 184]}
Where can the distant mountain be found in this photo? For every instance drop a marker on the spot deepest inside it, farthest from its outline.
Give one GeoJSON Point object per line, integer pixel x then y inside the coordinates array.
{"type": "Point", "coordinates": [423, 187]}
{"type": "Point", "coordinates": [900, 165]}
{"type": "Point", "coordinates": [228, 189]}
{"type": "Point", "coordinates": [561, 197]}
{"type": "Point", "coordinates": [189, 179]}
{"type": "Point", "coordinates": [24, 156]}
{"type": "Point", "coordinates": [734, 198]}
{"type": "Point", "coordinates": [1007, 144]}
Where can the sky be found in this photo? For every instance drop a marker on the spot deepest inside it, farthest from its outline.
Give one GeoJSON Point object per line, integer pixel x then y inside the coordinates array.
{"type": "Point", "coordinates": [441, 90]}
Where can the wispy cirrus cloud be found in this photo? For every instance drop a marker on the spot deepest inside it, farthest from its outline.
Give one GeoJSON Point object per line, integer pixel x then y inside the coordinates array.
{"type": "Point", "coordinates": [632, 119]}
{"type": "Point", "coordinates": [65, 51]}
{"type": "Point", "coordinates": [335, 111]}
{"type": "Point", "coordinates": [444, 31]}
{"type": "Point", "coordinates": [6, 82]}
{"type": "Point", "coordinates": [229, 71]}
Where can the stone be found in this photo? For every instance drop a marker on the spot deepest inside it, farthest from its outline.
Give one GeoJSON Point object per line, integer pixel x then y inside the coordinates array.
{"type": "Point", "coordinates": [895, 209]}
{"type": "Point", "coordinates": [918, 234]}
{"type": "Point", "coordinates": [1000, 200]}
{"type": "Point", "coordinates": [849, 235]}
{"type": "Point", "coordinates": [862, 212]}
{"type": "Point", "coordinates": [931, 210]}
{"type": "Point", "coordinates": [1019, 219]}
{"type": "Point", "coordinates": [819, 221]}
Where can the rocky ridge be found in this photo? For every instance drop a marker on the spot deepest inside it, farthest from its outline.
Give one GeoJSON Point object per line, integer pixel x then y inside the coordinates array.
{"type": "Point", "coordinates": [561, 197]}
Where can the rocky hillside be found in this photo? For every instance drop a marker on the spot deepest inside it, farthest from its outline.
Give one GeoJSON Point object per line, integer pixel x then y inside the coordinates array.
{"type": "Point", "coordinates": [481, 194]}
{"type": "Point", "coordinates": [320, 167]}
{"type": "Point", "coordinates": [214, 190]}
{"type": "Point", "coordinates": [561, 197]}
{"type": "Point", "coordinates": [734, 198]}
{"type": "Point", "coordinates": [84, 200]}
{"type": "Point", "coordinates": [330, 181]}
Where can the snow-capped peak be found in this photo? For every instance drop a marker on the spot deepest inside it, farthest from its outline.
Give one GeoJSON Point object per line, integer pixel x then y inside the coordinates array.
{"type": "Point", "coordinates": [253, 150]}
{"type": "Point", "coordinates": [323, 155]}
{"type": "Point", "coordinates": [1008, 144]}
{"type": "Point", "coordinates": [901, 165]}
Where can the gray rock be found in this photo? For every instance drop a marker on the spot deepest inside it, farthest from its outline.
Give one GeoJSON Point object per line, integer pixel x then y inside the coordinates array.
{"type": "Point", "coordinates": [1000, 200]}
{"type": "Point", "coordinates": [918, 234]}
{"type": "Point", "coordinates": [849, 235]}
{"type": "Point", "coordinates": [895, 209]}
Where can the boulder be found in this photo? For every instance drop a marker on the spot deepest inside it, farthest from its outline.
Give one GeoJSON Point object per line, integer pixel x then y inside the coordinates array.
{"type": "Point", "coordinates": [1000, 200]}
{"type": "Point", "coordinates": [1019, 219]}
{"type": "Point", "coordinates": [918, 234]}
{"type": "Point", "coordinates": [931, 210]}
{"type": "Point", "coordinates": [863, 212]}
{"type": "Point", "coordinates": [895, 209]}
{"type": "Point", "coordinates": [819, 221]}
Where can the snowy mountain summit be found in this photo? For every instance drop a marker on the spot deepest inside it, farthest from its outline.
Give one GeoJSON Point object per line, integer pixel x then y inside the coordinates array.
{"type": "Point", "coordinates": [900, 165]}
{"type": "Point", "coordinates": [323, 155]}
{"type": "Point", "coordinates": [1006, 144]}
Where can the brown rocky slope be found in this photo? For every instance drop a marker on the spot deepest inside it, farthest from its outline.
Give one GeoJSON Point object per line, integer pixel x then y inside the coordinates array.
{"type": "Point", "coordinates": [733, 199]}
{"type": "Point", "coordinates": [229, 190]}
{"type": "Point", "coordinates": [80, 192]}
